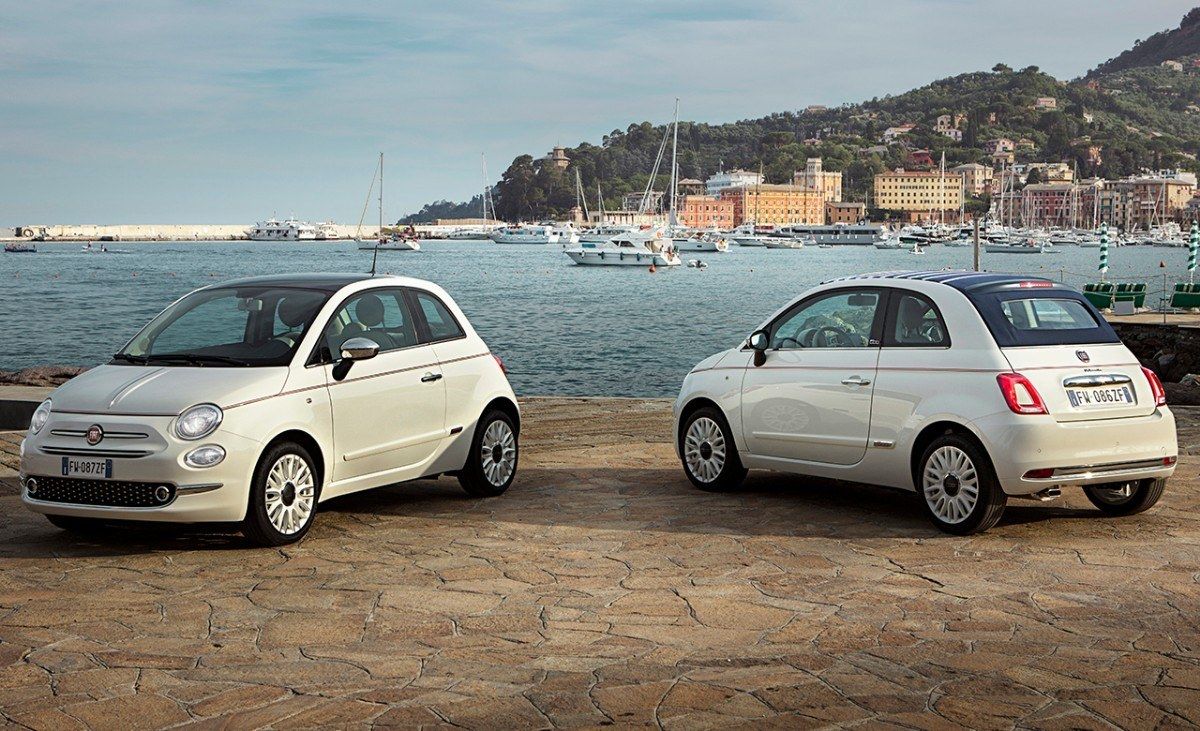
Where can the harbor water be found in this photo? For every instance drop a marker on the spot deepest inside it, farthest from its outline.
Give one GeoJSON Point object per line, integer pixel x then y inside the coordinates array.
{"type": "Point", "coordinates": [562, 329]}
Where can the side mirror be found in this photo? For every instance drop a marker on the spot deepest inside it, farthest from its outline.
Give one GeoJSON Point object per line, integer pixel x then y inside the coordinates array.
{"type": "Point", "coordinates": [354, 349]}
{"type": "Point", "coordinates": [759, 341]}
{"type": "Point", "coordinates": [359, 349]}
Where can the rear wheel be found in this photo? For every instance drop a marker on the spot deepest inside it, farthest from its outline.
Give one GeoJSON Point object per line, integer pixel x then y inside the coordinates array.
{"type": "Point", "coordinates": [710, 457]}
{"type": "Point", "coordinates": [492, 462]}
{"type": "Point", "coordinates": [283, 496]}
{"type": "Point", "coordinates": [959, 491]}
{"type": "Point", "coordinates": [1126, 498]}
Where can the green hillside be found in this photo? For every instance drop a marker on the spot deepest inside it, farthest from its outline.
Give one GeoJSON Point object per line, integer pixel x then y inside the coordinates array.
{"type": "Point", "coordinates": [1139, 117]}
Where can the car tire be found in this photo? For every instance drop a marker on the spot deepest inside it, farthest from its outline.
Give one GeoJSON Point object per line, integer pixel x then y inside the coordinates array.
{"type": "Point", "coordinates": [283, 496]}
{"type": "Point", "coordinates": [708, 452]}
{"type": "Point", "coordinates": [492, 461]}
{"type": "Point", "coordinates": [76, 525]}
{"type": "Point", "coordinates": [957, 486]}
{"type": "Point", "coordinates": [1126, 498]}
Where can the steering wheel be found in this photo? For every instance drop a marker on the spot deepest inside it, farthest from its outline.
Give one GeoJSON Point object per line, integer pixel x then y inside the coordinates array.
{"type": "Point", "coordinates": [841, 337]}
{"type": "Point", "coordinates": [932, 332]}
{"type": "Point", "coordinates": [786, 339]}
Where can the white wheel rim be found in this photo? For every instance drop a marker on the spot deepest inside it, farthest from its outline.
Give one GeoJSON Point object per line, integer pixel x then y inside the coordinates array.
{"type": "Point", "coordinates": [704, 449]}
{"type": "Point", "coordinates": [951, 484]}
{"type": "Point", "coordinates": [289, 495]}
{"type": "Point", "coordinates": [498, 453]}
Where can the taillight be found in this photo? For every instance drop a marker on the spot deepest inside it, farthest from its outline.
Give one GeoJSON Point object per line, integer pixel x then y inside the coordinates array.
{"type": "Point", "coordinates": [1020, 395]}
{"type": "Point", "coordinates": [1156, 387]}
{"type": "Point", "coordinates": [500, 362]}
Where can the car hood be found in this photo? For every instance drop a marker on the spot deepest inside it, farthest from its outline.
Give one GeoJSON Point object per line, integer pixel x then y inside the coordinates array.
{"type": "Point", "coordinates": [163, 390]}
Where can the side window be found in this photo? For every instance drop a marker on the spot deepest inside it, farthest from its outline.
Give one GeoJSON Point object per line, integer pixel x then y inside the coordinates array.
{"type": "Point", "coordinates": [442, 325]}
{"type": "Point", "coordinates": [915, 323]}
{"type": "Point", "coordinates": [380, 315]}
{"type": "Point", "coordinates": [841, 319]}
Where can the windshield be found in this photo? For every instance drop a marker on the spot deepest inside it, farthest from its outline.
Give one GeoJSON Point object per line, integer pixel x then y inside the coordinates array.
{"type": "Point", "coordinates": [246, 326]}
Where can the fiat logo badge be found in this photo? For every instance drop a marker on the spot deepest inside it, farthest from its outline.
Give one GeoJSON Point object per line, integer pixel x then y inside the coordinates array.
{"type": "Point", "coordinates": [94, 434]}
{"type": "Point", "coordinates": [1082, 355]}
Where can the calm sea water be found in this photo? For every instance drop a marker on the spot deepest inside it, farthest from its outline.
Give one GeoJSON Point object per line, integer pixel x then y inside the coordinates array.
{"type": "Point", "coordinates": [561, 328]}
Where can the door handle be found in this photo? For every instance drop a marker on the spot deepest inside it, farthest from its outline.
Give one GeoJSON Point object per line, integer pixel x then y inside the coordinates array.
{"type": "Point", "coordinates": [856, 381]}
{"type": "Point", "coordinates": [431, 377]}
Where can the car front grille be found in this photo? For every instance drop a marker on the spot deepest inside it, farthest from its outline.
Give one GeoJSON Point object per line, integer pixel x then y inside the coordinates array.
{"type": "Point", "coordinates": [108, 493]}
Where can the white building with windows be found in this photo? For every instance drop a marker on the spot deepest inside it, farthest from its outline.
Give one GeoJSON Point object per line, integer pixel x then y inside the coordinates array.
{"type": "Point", "coordinates": [731, 179]}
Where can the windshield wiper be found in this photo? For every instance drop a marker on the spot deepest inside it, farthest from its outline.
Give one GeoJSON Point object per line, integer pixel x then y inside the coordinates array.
{"type": "Point", "coordinates": [198, 359]}
{"type": "Point", "coordinates": [128, 358]}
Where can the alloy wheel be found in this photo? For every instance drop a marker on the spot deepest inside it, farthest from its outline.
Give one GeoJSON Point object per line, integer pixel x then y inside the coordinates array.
{"type": "Point", "coordinates": [704, 449]}
{"type": "Point", "coordinates": [498, 453]}
{"type": "Point", "coordinates": [289, 494]}
{"type": "Point", "coordinates": [950, 483]}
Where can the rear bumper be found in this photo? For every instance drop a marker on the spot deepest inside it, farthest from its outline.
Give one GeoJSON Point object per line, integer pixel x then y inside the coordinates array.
{"type": "Point", "coordinates": [1077, 453]}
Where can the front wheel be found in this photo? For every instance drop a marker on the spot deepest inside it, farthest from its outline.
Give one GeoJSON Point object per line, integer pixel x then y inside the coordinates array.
{"type": "Point", "coordinates": [959, 491]}
{"type": "Point", "coordinates": [1126, 498]}
{"type": "Point", "coordinates": [709, 454]}
{"type": "Point", "coordinates": [283, 496]}
{"type": "Point", "coordinates": [492, 462]}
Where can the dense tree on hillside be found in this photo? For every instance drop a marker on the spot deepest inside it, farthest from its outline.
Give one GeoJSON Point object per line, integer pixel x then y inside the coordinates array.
{"type": "Point", "coordinates": [1138, 117]}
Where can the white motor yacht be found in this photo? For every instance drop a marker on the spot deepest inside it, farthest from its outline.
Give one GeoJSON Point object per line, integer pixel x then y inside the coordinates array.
{"type": "Point", "coordinates": [528, 234]}
{"type": "Point", "coordinates": [639, 248]}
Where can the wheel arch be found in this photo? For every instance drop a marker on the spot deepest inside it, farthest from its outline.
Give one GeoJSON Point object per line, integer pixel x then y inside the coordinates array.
{"type": "Point", "coordinates": [930, 433]}
{"type": "Point", "coordinates": [506, 406]}
{"type": "Point", "coordinates": [306, 440]}
{"type": "Point", "coordinates": [691, 407]}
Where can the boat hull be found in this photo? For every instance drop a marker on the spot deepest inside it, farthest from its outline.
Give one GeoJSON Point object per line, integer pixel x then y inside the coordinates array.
{"type": "Point", "coordinates": [585, 257]}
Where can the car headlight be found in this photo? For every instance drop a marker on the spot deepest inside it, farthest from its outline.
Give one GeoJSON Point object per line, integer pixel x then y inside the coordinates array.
{"type": "Point", "coordinates": [198, 421]}
{"type": "Point", "coordinates": [206, 456]}
{"type": "Point", "coordinates": [40, 417]}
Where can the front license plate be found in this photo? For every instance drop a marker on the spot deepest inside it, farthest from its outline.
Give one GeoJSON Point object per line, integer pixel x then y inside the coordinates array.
{"type": "Point", "coordinates": [84, 467]}
{"type": "Point", "coordinates": [1101, 397]}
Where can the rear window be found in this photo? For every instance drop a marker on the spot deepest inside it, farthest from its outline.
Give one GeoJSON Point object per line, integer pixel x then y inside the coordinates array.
{"type": "Point", "coordinates": [1052, 318]}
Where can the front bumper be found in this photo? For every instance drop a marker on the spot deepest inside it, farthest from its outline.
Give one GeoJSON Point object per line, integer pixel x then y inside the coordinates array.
{"type": "Point", "coordinates": [212, 494]}
{"type": "Point", "coordinates": [1077, 453]}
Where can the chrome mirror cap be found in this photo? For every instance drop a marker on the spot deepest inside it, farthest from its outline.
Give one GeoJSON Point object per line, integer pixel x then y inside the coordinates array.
{"type": "Point", "coordinates": [359, 349]}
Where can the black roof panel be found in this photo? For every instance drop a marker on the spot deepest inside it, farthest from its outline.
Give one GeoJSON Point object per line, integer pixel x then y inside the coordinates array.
{"type": "Point", "coordinates": [326, 281]}
{"type": "Point", "coordinates": [962, 280]}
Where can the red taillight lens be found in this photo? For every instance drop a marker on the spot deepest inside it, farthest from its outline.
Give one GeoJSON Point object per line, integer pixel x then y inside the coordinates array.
{"type": "Point", "coordinates": [500, 362]}
{"type": "Point", "coordinates": [1042, 474]}
{"type": "Point", "coordinates": [1156, 387]}
{"type": "Point", "coordinates": [1020, 395]}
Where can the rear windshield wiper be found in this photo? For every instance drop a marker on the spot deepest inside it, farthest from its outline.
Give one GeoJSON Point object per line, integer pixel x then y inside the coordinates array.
{"type": "Point", "coordinates": [198, 359]}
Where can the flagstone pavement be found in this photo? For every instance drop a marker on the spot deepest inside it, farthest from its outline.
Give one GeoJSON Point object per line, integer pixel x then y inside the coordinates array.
{"type": "Point", "coordinates": [602, 589]}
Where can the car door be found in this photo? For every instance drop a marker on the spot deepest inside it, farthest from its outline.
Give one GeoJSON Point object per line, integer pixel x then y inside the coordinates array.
{"type": "Point", "coordinates": [458, 355]}
{"type": "Point", "coordinates": [388, 411]}
{"type": "Point", "coordinates": [810, 400]}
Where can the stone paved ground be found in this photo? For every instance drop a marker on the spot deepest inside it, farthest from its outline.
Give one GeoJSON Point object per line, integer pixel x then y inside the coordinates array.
{"type": "Point", "coordinates": [603, 589]}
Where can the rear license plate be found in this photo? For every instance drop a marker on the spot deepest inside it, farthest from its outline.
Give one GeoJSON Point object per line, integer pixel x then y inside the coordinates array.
{"type": "Point", "coordinates": [84, 467]}
{"type": "Point", "coordinates": [1101, 397]}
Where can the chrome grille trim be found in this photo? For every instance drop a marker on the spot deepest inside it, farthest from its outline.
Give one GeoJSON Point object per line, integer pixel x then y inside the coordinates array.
{"type": "Point", "coordinates": [93, 452]}
{"type": "Point", "coordinates": [82, 433]}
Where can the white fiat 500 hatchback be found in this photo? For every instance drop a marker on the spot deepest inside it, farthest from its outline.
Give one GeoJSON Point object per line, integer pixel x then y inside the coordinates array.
{"type": "Point", "coordinates": [255, 400]}
{"type": "Point", "coordinates": [968, 388]}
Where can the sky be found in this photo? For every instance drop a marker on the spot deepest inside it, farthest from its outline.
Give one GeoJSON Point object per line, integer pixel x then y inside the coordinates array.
{"type": "Point", "coordinates": [216, 111]}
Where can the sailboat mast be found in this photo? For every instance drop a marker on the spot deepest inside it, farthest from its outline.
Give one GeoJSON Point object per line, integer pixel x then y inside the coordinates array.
{"type": "Point", "coordinates": [381, 195]}
{"type": "Point", "coordinates": [674, 175]}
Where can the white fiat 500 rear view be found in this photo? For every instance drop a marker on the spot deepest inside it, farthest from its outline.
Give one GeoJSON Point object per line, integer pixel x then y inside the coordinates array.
{"type": "Point", "coordinates": [968, 388]}
{"type": "Point", "coordinates": [255, 400]}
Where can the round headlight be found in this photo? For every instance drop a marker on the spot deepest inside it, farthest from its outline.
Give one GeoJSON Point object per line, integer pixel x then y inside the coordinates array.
{"type": "Point", "coordinates": [198, 421]}
{"type": "Point", "coordinates": [206, 456]}
{"type": "Point", "coordinates": [40, 417]}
